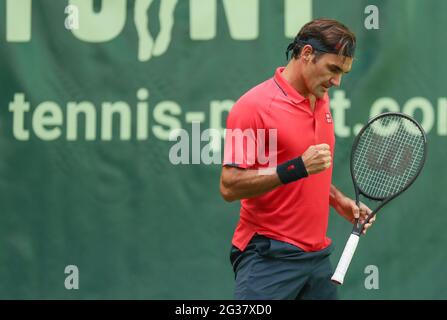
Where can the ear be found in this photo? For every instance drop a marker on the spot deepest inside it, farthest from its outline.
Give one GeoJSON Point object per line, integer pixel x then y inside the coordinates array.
{"type": "Point", "coordinates": [307, 52]}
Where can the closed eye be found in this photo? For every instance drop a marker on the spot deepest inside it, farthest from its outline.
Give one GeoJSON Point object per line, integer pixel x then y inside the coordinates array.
{"type": "Point", "coordinates": [335, 69]}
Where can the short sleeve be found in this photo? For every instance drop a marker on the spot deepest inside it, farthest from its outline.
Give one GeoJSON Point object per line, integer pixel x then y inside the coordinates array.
{"type": "Point", "coordinates": [243, 123]}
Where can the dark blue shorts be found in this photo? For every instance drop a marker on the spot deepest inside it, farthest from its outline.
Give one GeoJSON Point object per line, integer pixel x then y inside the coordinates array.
{"type": "Point", "coordinates": [274, 270]}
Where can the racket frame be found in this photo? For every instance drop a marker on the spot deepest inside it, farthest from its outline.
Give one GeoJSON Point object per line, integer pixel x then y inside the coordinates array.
{"type": "Point", "coordinates": [358, 228]}
{"type": "Point", "coordinates": [351, 244]}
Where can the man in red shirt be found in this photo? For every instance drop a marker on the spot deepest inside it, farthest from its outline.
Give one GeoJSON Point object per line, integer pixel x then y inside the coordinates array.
{"type": "Point", "coordinates": [280, 248]}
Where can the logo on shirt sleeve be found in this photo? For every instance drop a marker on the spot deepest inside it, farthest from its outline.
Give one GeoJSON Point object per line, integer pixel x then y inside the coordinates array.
{"type": "Point", "coordinates": [328, 117]}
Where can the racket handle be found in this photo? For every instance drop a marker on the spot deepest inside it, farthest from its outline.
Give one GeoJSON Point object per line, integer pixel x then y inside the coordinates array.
{"type": "Point", "coordinates": [345, 259]}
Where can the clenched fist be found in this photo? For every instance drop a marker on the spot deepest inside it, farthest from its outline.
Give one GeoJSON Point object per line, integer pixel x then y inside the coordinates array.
{"type": "Point", "coordinates": [317, 158]}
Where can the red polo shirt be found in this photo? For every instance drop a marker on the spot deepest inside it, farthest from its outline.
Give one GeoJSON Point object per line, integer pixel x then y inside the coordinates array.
{"type": "Point", "coordinates": [296, 213]}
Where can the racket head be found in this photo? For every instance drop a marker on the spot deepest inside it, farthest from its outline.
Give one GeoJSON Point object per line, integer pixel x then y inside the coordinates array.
{"type": "Point", "coordinates": [387, 156]}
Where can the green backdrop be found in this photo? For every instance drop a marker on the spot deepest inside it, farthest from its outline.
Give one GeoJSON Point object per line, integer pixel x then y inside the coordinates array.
{"type": "Point", "coordinates": [110, 202]}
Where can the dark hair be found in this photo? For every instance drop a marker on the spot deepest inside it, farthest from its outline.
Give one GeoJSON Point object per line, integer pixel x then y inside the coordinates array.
{"type": "Point", "coordinates": [325, 36]}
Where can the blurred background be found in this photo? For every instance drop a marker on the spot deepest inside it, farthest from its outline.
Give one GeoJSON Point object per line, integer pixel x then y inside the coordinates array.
{"type": "Point", "coordinates": [90, 91]}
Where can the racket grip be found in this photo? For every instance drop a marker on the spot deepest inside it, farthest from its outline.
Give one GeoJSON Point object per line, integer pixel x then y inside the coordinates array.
{"type": "Point", "coordinates": [345, 259]}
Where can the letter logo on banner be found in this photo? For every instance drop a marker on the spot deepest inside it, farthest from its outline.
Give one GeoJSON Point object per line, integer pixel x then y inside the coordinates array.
{"type": "Point", "coordinates": [18, 20]}
{"type": "Point", "coordinates": [100, 26]}
{"type": "Point", "coordinates": [93, 26]}
{"type": "Point", "coordinates": [149, 47]}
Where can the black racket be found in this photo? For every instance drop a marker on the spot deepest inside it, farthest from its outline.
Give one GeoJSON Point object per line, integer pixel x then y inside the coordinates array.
{"type": "Point", "coordinates": [387, 156]}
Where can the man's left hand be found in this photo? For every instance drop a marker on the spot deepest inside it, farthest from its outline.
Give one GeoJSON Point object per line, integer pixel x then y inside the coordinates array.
{"type": "Point", "coordinates": [349, 210]}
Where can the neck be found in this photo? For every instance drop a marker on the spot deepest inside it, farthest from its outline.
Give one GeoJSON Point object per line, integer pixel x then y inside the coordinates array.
{"type": "Point", "coordinates": [293, 75]}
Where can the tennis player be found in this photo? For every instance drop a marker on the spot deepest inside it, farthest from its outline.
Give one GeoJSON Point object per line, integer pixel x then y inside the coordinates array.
{"type": "Point", "coordinates": [280, 249]}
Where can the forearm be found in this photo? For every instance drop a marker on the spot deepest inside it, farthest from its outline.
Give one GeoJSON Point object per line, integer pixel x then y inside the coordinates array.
{"type": "Point", "coordinates": [237, 183]}
{"type": "Point", "coordinates": [335, 198]}
{"type": "Point", "coordinates": [243, 184]}
{"type": "Point", "coordinates": [341, 203]}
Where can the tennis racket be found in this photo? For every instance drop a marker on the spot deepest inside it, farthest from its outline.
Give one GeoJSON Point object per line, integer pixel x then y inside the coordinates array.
{"type": "Point", "coordinates": [386, 158]}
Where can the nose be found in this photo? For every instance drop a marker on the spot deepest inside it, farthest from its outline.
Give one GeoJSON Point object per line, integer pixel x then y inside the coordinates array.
{"type": "Point", "coordinates": [336, 80]}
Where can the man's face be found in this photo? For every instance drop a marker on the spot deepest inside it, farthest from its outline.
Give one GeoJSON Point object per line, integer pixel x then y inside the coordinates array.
{"type": "Point", "coordinates": [325, 72]}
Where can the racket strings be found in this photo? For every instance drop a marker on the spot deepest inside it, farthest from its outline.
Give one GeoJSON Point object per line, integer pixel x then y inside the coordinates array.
{"type": "Point", "coordinates": [388, 156]}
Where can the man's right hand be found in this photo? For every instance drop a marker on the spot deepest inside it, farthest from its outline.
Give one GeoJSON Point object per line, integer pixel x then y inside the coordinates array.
{"type": "Point", "coordinates": [317, 158]}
